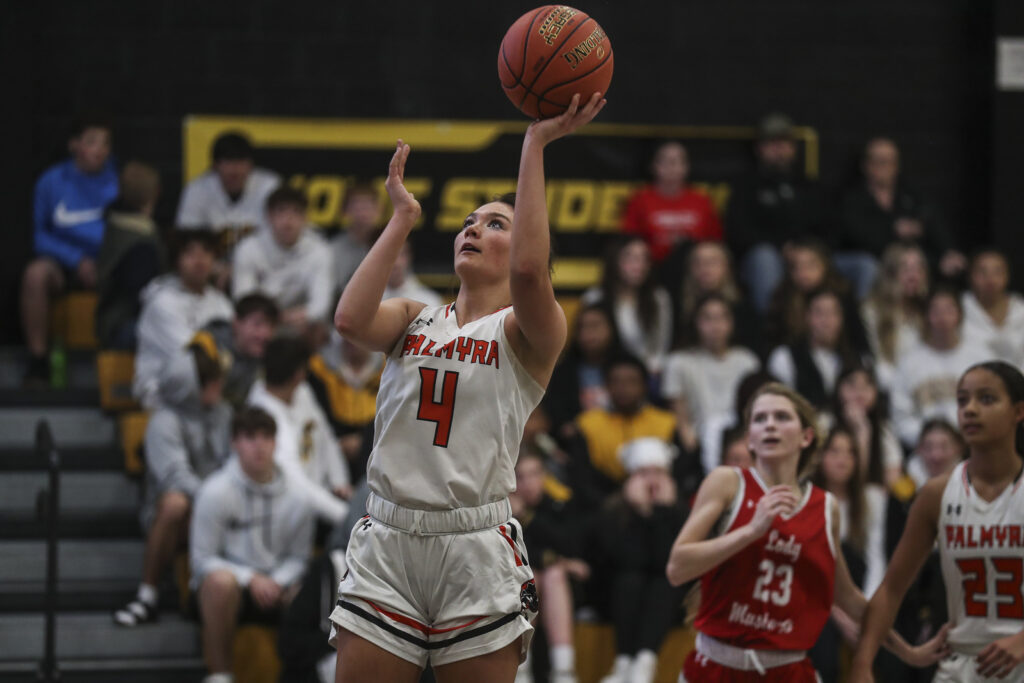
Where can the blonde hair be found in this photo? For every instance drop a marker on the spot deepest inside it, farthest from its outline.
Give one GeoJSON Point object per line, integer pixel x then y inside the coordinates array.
{"type": "Point", "coordinates": [729, 290]}
{"type": "Point", "coordinates": [808, 420]}
{"type": "Point", "coordinates": [891, 307]}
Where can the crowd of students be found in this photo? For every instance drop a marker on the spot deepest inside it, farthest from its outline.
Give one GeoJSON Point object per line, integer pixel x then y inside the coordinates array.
{"type": "Point", "coordinates": [261, 415]}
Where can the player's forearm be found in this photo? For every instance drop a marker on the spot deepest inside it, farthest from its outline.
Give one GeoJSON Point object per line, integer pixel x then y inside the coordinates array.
{"type": "Point", "coordinates": [876, 624]}
{"type": "Point", "coordinates": [362, 295]}
{"type": "Point", "coordinates": [531, 240]}
{"type": "Point", "coordinates": [689, 560]}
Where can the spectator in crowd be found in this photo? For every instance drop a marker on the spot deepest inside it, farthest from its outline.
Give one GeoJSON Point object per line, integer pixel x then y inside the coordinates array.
{"type": "Point", "coordinates": [861, 409]}
{"type": "Point", "coordinates": [345, 379]}
{"type": "Point", "coordinates": [174, 307]}
{"type": "Point", "coordinates": [940, 448]}
{"type": "Point", "coordinates": [596, 470]}
{"type": "Point", "coordinates": [70, 198]}
{"type": "Point", "coordinates": [882, 210]}
{"type": "Point", "coordinates": [404, 283]}
{"type": "Point", "coordinates": [362, 215]}
{"type": "Point", "coordinates": [130, 255]}
{"type": "Point", "coordinates": [251, 536]}
{"type": "Point", "coordinates": [812, 363]}
{"type": "Point", "coordinates": [229, 199]}
{"type": "Point", "coordinates": [642, 310]}
{"type": "Point", "coordinates": [306, 448]}
{"type": "Point", "coordinates": [894, 311]}
{"type": "Point", "coordinates": [926, 376]}
{"type": "Point", "coordinates": [994, 316]}
{"type": "Point", "coordinates": [289, 263]}
{"type": "Point", "coordinates": [243, 341]}
{"type": "Point", "coordinates": [808, 269]}
{"type": "Point", "coordinates": [862, 515]}
{"type": "Point", "coordinates": [701, 378]}
{"type": "Point", "coordinates": [668, 213]}
{"type": "Point", "coordinates": [770, 208]}
{"type": "Point", "coordinates": [735, 452]}
{"type": "Point", "coordinates": [640, 526]}
{"type": "Point", "coordinates": [708, 269]}
{"type": "Point", "coordinates": [577, 383]}
{"type": "Point", "coordinates": [187, 440]}
{"type": "Point", "coordinates": [553, 530]}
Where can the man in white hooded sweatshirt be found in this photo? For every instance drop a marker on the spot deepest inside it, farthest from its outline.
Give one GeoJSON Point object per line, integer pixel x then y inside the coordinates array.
{"type": "Point", "coordinates": [251, 536]}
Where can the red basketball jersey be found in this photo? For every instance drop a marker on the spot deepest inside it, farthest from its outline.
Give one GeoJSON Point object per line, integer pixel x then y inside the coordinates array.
{"type": "Point", "coordinates": [775, 594]}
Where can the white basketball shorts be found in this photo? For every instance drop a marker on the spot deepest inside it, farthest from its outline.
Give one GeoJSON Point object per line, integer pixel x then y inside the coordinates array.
{"type": "Point", "coordinates": [437, 587]}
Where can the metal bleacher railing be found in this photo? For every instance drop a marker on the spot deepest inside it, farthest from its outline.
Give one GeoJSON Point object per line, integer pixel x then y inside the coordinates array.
{"type": "Point", "coordinates": [47, 508]}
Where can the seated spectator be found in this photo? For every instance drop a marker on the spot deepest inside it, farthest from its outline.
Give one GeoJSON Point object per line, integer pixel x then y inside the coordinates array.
{"type": "Point", "coordinates": [362, 214]}
{"type": "Point", "coordinates": [130, 256]}
{"type": "Point", "coordinates": [894, 311]}
{"type": "Point", "coordinates": [595, 468]}
{"type": "Point", "coordinates": [289, 263]}
{"type": "Point", "coordinates": [229, 199]}
{"type": "Point", "coordinates": [808, 269]}
{"type": "Point", "coordinates": [247, 560]}
{"type": "Point", "coordinates": [735, 452]}
{"type": "Point", "coordinates": [242, 342]}
{"type": "Point", "coordinates": [882, 210]}
{"type": "Point", "coordinates": [403, 282]}
{"type": "Point", "coordinates": [306, 448]}
{"type": "Point", "coordinates": [701, 378]}
{"type": "Point", "coordinates": [862, 516]}
{"type": "Point", "coordinates": [578, 382]}
{"type": "Point", "coordinates": [187, 440]}
{"type": "Point", "coordinates": [642, 310]}
{"type": "Point", "coordinates": [174, 307]}
{"type": "Point", "coordinates": [708, 269]}
{"type": "Point", "coordinates": [668, 213]}
{"type": "Point", "coordinates": [770, 208]}
{"type": "Point", "coordinates": [861, 409]}
{"type": "Point", "coordinates": [345, 379]}
{"type": "Point", "coordinates": [926, 376]}
{"type": "Point", "coordinates": [68, 205]}
{"type": "Point", "coordinates": [553, 529]}
{"type": "Point", "coordinates": [940, 449]}
{"type": "Point", "coordinates": [640, 526]}
{"type": "Point", "coordinates": [812, 363]}
{"type": "Point", "coordinates": [994, 316]}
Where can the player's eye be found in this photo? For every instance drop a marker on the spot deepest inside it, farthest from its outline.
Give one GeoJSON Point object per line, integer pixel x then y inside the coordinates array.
{"type": "Point", "coordinates": [962, 399]}
{"type": "Point", "coordinates": [496, 224]}
{"type": "Point", "coordinates": [468, 222]}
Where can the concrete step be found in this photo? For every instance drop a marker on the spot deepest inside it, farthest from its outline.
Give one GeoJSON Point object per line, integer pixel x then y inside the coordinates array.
{"type": "Point", "coordinates": [71, 427]}
{"type": "Point", "coordinates": [81, 493]}
{"type": "Point", "coordinates": [93, 636]}
{"type": "Point", "coordinates": [102, 458]}
{"type": "Point", "coordinates": [14, 363]}
{"type": "Point", "coordinates": [80, 563]}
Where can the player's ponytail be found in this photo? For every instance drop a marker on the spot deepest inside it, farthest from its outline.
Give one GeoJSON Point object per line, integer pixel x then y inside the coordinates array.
{"type": "Point", "coordinates": [1013, 380]}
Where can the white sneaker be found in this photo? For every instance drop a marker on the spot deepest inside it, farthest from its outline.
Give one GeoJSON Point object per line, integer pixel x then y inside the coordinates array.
{"type": "Point", "coordinates": [644, 667]}
{"type": "Point", "coordinates": [219, 678]}
{"type": "Point", "coordinates": [562, 677]}
{"type": "Point", "coordinates": [620, 670]}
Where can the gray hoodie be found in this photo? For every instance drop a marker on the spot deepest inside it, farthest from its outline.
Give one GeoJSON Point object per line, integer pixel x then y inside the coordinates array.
{"type": "Point", "coordinates": [185, 441]}
{"type": "Point", "coordinates": [248, 528]}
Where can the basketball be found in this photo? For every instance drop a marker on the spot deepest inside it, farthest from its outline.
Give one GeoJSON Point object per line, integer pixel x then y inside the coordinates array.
{"type": "Point", "coordinates": [551, 53]}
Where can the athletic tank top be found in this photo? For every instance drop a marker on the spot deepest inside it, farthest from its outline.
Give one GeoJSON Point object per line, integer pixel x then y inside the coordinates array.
{"type": "Point", "coordinates": [451, 409]}
{"type": "Point", "coordinates": [981, 546]}
{"type": "Point", "coordinates": [775, 594]}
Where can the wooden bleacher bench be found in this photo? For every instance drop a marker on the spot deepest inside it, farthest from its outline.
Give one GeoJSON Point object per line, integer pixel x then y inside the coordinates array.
{"type": "Point", "coordinates": [131, 428]}
{"type": "Point", "coordinates": [115, 370]}
{"type": "Point", "coordinates": [73, 319]}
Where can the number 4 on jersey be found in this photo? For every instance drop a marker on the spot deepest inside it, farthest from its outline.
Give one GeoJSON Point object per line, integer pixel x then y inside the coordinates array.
{"type": "Point", "coordinates": [439, 412]}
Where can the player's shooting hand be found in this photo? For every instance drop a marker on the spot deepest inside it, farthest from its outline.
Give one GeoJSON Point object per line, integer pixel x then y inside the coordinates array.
{"type": "Point", "coordinates": [548, 130]}
{"type": "Point", "coordinates": [779, 500]}
{"type": "Point", "coordinates": [401, 199]}
{"type": "Point", "coordinates": [1002, 656]}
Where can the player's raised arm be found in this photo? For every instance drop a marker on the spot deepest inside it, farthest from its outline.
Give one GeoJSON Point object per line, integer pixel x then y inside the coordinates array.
{"type": "Point", "coordinates": [361, 316]}
{"type": "Point", "coordinates": [538, 316]}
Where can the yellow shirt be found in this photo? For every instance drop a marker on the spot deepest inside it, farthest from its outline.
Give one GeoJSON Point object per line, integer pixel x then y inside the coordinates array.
{"type": "Point", "coordinates": [606, 431]}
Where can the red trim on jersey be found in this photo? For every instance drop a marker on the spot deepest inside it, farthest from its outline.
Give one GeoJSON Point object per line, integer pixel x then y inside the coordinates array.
{"type": "Point", "coordinates": [501, 530]}
{"type": "Point", "coordinates": [422, 628]}
{"type": "Point", "coordinates": [447, 309]}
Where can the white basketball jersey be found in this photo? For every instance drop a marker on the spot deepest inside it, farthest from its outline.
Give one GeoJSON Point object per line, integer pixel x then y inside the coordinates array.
{"type": "Point", "coordinates": [451, 409]}
{"type": "Point", "coordinates": [981, 545]}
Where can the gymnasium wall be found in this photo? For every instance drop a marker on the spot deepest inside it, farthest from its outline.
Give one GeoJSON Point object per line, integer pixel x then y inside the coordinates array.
{"type": "Point", "coordinates": [918, 70]}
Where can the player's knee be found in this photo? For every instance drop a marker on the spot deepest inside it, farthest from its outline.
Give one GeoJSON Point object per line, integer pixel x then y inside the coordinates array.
{"type": "Point", "coordinates": [174, 507]}
{"type": "Point", "coordinates": [219, 584]}
{"type": "Point", "coordinates": [39, 274]}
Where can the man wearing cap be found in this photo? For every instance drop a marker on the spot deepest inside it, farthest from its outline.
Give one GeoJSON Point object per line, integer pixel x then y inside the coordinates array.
{"type": "Point", "coordinates": [772, 206]}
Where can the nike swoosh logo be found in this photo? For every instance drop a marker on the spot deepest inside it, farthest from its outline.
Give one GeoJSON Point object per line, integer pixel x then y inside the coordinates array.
{"type": "Point", "coordinates": [65, 218]}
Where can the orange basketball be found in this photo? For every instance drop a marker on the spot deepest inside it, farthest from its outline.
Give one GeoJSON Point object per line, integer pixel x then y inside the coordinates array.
{"type": "Point", "coordinates": [550, 54]}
